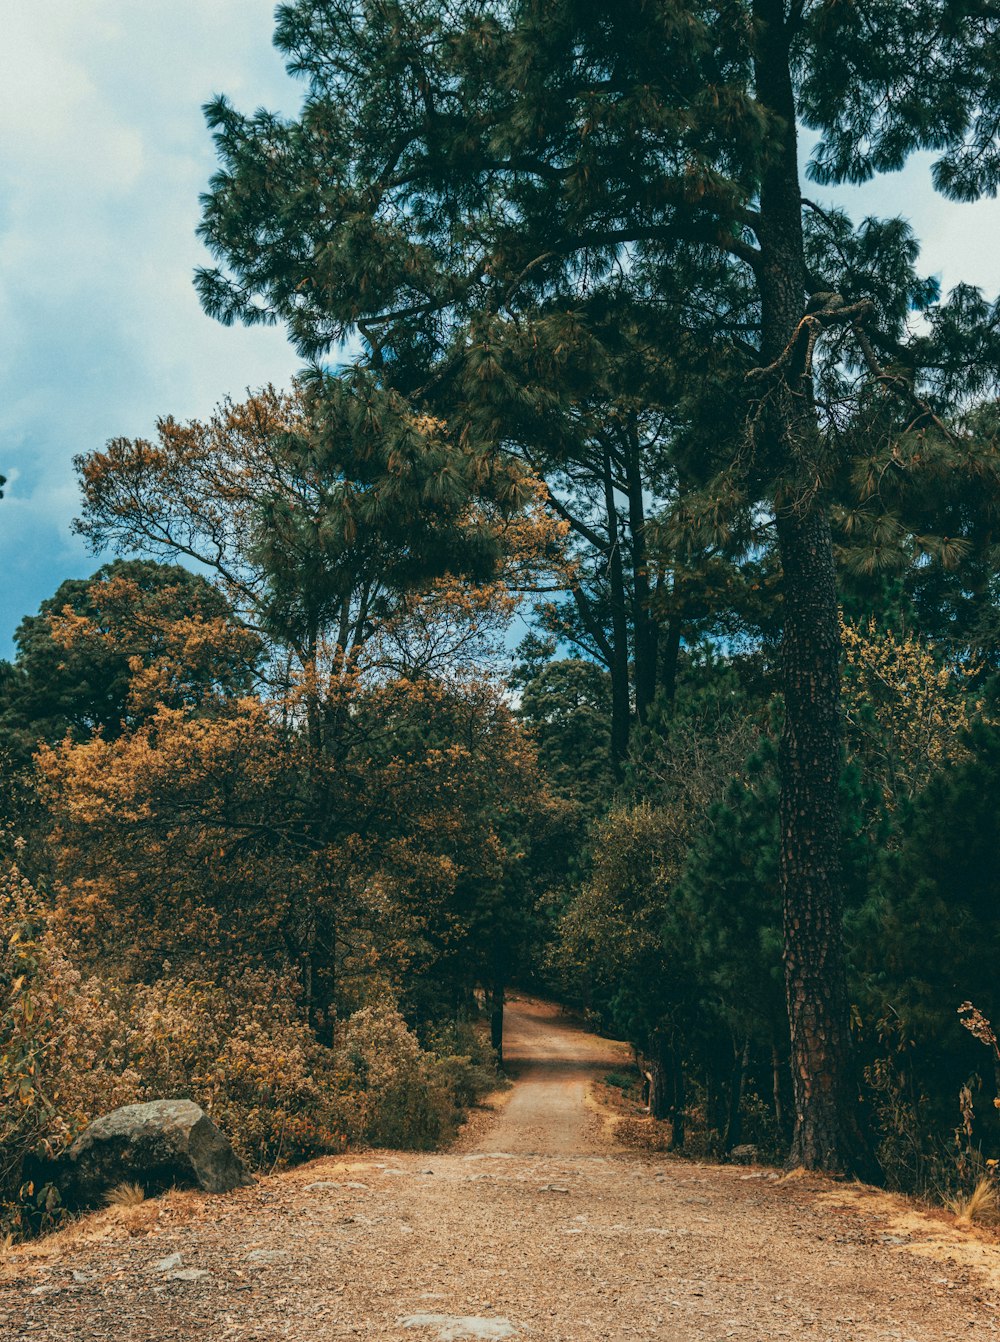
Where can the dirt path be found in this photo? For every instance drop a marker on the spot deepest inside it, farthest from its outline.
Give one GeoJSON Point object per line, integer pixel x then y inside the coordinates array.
{"type": "Point", "coordinates": [534, 1227]}
{"type": "Point", "coordinates": [553, 1064]}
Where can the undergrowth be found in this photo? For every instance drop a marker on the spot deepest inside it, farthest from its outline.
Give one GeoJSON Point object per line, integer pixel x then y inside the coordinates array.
{"type": "Point", "coordinates": [73, 1047]}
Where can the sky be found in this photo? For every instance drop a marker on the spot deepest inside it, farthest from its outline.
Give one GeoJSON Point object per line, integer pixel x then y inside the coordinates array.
{"type": "Point", "coordinates": [103, 154]}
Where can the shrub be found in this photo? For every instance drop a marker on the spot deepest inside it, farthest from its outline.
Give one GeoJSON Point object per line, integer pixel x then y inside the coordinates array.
{"type": "Point", "coordinates": [393, 1093]}
{"type": "Point", "coordinates": [72, 1048]}
{"type": "Point", "coordinates": [53, 1029]}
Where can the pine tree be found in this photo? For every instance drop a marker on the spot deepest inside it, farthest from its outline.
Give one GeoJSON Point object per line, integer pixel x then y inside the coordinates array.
{"type": "Point", "coordinates": [455, 162]}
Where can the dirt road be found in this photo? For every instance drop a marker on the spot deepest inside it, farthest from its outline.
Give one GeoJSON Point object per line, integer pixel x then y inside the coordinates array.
{"type": "Point", "coordinates": [535, 1226]}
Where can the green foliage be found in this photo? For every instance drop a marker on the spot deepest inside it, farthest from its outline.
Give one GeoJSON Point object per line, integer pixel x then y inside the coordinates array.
{"type": "Point", "coordinates": [620, 1080]}
{"type": "Point", "coordinates": [930, 942]}
{"type": "Point", "coordinates": [564, 704]}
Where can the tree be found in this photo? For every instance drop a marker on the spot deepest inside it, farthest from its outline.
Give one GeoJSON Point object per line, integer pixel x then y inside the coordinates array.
{"type": "Point", "coordinates": [77, 660]}
{"type": "Point", "coordinates": [317, 513]}
{"type": "Point", "coordinates": [564, 705]}
{"type": "Point", "coordinates": [930, 937]}
{"type": "Point", "coordinates": [580, 388]}
{"type": "Point", "coordinates": [379, 560]}
{"type": "Point", "coordinates": [390, 858]}
{"type": "Point", "coordinates": [452, 162]}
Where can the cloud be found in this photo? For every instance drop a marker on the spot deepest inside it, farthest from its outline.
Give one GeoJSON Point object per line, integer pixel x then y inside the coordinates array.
{"type": "Point", "coordinates": [957, 241]}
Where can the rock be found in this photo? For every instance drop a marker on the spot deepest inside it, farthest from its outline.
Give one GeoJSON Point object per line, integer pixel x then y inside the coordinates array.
{"type": "Point", "coordinates": [189, 1274]}
{"type": "Point", "coordinates": [451, 1327]}
{"type": "Point", "coordinates": [158, 1145]}
{"type": "Point", "coordinates": [168, 1264]}
{"type": "Point", "coordinates": [259, 1256]}
{"type": "Point", "coordinates": [743, 1155]}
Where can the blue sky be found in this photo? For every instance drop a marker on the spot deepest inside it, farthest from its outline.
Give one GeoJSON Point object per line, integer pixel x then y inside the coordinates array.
{"type": "Point", "coordinates": [103, 153]}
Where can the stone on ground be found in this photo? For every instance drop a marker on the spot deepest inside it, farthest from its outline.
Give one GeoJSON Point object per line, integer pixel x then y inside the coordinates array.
{"type": "Point", "coordinates": [158, 1145]}
{"type": "Point", "coordinates": [454, 1327]}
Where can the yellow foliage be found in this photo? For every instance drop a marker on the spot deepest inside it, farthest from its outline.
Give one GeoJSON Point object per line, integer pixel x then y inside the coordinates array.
{"type": "Point", "coordinates": [906, 713]}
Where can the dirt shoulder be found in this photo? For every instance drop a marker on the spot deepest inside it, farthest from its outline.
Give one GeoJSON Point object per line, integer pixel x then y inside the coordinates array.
{"type": "Point", "coordinates": [534, 1226]}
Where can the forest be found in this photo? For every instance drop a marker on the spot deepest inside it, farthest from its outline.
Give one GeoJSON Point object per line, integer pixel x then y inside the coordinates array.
{"type": "Point", "coordinates": [610, 609]}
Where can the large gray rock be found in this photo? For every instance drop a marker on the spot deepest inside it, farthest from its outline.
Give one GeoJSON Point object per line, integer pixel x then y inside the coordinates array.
{"type": "Point", "coordinates": [744, 1155]}
{"type": "Point", "coordinates": [159, 1145]}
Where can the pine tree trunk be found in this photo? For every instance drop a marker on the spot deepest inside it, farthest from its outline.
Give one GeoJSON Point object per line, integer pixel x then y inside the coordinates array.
{"type": "Point", "coordinates": [621, 710]}
{"type": "Point", "coordinates": [646, 630]}
{"type": "Point", "coordinates": [777, 1071]}
{"type": "Point", "coordinates": [734, 1123]}
{"type": "Point", "coordinates": [671, 655]}
{"type": "Point", "coordinates": [658, 1062]}
{"type": "Point", "coordinates": [679, 1101]}
{"type": "Point", "coordinates": [494, 1005]}
{"type": "Point", "coordinates": [827, 1133]}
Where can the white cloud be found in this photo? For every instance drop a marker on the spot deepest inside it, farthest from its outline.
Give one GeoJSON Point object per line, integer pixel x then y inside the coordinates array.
{"type": "Point", "coordinates": [957, 241]}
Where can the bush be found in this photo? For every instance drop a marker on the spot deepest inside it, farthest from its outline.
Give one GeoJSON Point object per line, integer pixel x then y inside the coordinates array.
{"type": "Point", "coordinates": [54, 1028]}
{"type": "Point", "coordinates": [622, 1080]}
{"type": "Point", "coordinates": [72, 1048]}
{"type": "Point", "coordinates": [392, 1092]}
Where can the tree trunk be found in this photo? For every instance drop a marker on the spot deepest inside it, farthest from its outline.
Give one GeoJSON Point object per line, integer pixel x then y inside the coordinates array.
{"type": "Point", "coordinates": [734, 1123]}
{"type": "Point", "coordinates": [620, 706]}
{"type": "Point", "coordinates": [679, 1100]}
{"type": "Point", "coordinates": [658, 1066]}
{"type": "Point", "coordinates": [671, 654]}
{"type": "Point", "coordinates": [777, 1069]}
{"type": "Point", "coordinates": [646, 630]}
{"type": "Point", "coordinates": [827, 1133]}
{"type": "Point", "coordinates": [495, 996]}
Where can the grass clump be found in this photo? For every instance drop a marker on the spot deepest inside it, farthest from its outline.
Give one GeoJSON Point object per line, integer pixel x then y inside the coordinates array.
{"type": "Point", "coordinates": [978, 1205]}
{"type": "Point", "coordinates": [125, 1195]}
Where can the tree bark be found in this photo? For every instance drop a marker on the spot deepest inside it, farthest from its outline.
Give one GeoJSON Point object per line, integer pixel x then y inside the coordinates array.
{"type": "Point", "coordinates": [646, 630]}
{"type": "Point", "coordinates": [495, 997]}
{"type": "Point", "coordinates": [620, 705]}
{"type": "Point", "coordinates": [658, 1064]}
{"type": "Point", "coordinates": [678, 1102]}
{"type": "Point", "coordinates": [777, 1071]}
{"type": "Point", "coordinates": [827, 1131]}
{"type": "Point", "coordinates": [671, 654]}
{"type": "Point", "coordinates": [734, 1123]}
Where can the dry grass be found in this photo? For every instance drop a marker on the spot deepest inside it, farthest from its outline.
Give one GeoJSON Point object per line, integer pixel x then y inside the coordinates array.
{"type": "Point", "coordinates": [125, 1195]}
{"type": "Point", "coordinates": [979, 1205]}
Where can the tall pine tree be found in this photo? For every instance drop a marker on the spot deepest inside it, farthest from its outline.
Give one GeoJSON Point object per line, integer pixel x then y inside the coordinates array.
{"type": "Point", "coordinates": [452, 163]}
